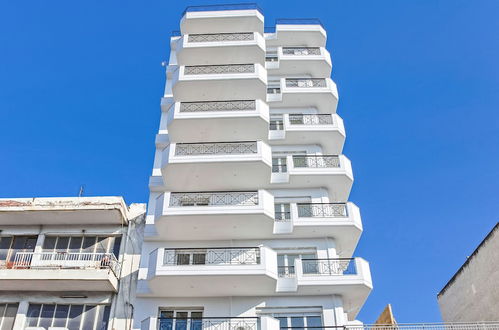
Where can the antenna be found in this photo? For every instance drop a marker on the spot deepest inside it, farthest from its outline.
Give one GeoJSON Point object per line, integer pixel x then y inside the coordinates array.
{"type": "Point", "coordinates": [82, 188]}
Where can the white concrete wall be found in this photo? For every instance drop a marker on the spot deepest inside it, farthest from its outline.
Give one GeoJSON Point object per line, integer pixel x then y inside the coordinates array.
{"type": "Point", "coordinates": [474, 294]}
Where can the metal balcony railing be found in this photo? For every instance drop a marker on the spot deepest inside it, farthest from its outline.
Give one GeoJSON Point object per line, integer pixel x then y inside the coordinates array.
{"type": "Point", "coordinates": [65, 260]}
{"type": "Point", "coordinates": [299, 119]}
{"type": "Point", "coordinates": [306, 82]}
{"type": "Point", "coordinates": [234, 6]}
{"type": "Point", "coordinates": [219, 148]}
{"type": "Point", "coordinates": [329, 267]}
{"type": "Point", "coordinates": [234, 198]}
{"type": "Point", "coordinates": [322, 210]}
{"type": "Point", "coordinates": [217, 37]}
{"type": "Point", "coordinates": [212, 256]}
{"type": "Point", "coordinates": [219, 69]}
{"type": "Point", "coordinates": [236, 105]}
{"type": "Point", "coordinates": [301, 51]}
{"type": "Point", "coordinates": [316, 161]}
{"type": "Point", "coordinates": [208, 323]}
{"type": "Point", "coordinates": [286, 271]}
{"type": "Point", "coordinates": [427, 326]}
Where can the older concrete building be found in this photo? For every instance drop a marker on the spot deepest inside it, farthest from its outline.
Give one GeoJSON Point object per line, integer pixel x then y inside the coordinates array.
{"type": "Point", "coordinates": [68, 263]}
{"type": "Point", "coordinates": [472, 294]}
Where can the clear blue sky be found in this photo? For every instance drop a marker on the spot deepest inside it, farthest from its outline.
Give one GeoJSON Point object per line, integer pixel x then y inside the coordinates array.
{"type": "Point", "coordinates": [81, 81]}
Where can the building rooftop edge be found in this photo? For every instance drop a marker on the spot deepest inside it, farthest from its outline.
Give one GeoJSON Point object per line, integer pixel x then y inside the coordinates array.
{"type": "Point", "coordinates": [482, 243]}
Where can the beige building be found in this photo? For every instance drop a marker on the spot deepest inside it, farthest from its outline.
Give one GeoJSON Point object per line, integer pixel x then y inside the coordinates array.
{"type": "Point", "coordinates": [68, 263]}
{"type": "Point", "coordinates": [472, 294]}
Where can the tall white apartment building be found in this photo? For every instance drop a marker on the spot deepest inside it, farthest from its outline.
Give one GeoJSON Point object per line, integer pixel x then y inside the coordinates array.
{"type": "Point", "coordinates": [68, 263]}
{"type": "Point", "coordinates": [249, 224]}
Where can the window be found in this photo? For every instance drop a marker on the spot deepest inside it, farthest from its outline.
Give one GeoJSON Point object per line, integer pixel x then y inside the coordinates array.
{"type": "Point", "coordinates": [180, 319]}
{"type": "Point", "coordinates": [10, 246]}
{"type": "Point", "coordinates": [282, 211]}
{"type": "Point", "coordinates": [82, 244]}
{"type": "Point", "coordinates": [276, 123]}
{"type": "Point", "coordinates": [7, 316]}
{"type": "Point", "coordinates": [286, 262]}
{"type": "Point", "coordinates": [191, 257]}
{"type": "Point", "coordinates": [72, 317]}
{"type": "Point", "coordinates": [279, 165]}
{"type": "Point", "coordinates": [297, 321]}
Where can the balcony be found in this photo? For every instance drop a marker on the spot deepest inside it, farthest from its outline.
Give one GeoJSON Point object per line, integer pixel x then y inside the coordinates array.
{"type": "Point", "coordinates": [207, 166]}
{"type": "Point", "coordinates": [222, 18]}
{"type": "Point", "coordinates": [212, 272]}
{"type": "Point", "coordinates": [342, 221]}
{"type": "Point", "coordinates": [61, 211]}
{"type": "Point", "coordinates": [227, 48]}
{"type": "Point", "coordinates": [214, 215]}
{"type": "Point", "coordinates": [326, 130]}
{"type": "Point", "coordinates": [333, 172]}
{"type": "Point", "coordinates": [301, 61]}
{"type": "Point", "coordinates": [290, 32]}
{"type": "Point", "coordinates": [426, 326]}
{"type": "Point", "coordinates": [53, 271]}
{"type": "Point", "coordinates": [220, 82]}
{"type": "Point", "coordinates": [211, 323]}
{"type": "Point", "coordinates": [320, 93]}
{"type": "Point", "coordinates": [241, 120]}
{"type": "Point", "coordinates": [349, 278]}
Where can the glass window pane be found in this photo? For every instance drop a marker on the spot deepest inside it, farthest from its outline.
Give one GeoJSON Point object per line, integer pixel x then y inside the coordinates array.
{"type": "Point", "coordinates": [283, 322]}
{"type": "Point", "coordinates": [9, 317]}
{"type": "Point", "coordinates": [33, 314]}
{"type": "Point", "coordinates": [88, 244]}
{"type": "Point", "coordinates": [46, 316]}
{"type": "Point", "coordinates": [75, 314]}
{"type": "Point", "coordinates": [101, 246]}
{"type": "Point", "coordinates": [61, 314]}
{"type": "Point", "coordinates": [62, 244]}
{"type": "Point", "coordinates": [116, 246]}
{"type": "Point", "coordinates": [49, 243]}
{"type": "Point", "coordinates": [4, 247]}
{"type": "Point", "coordinates": [297, 322]}
{"type": "Point", "coordinates": [314, 321]}
{"type": "Point", "coordinates": [183, 259]}
{"type": "Point", "coordinates": [199, 258]}
{"type": "Point", "coordinates": [89, 317]}
{"type": "Point", "coordinates": [75, 244]}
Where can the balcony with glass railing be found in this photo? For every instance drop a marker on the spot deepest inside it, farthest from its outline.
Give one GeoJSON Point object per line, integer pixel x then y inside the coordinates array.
{"type": "Point", "coordinates": [222, 18]}
{"type": "Point", "coordinates": [212, 271]}
{"type": "Point", "coordinates": [296, 32]}
{"type": "Point", "coordinates": [326, 130]}
{"type": "Point", "coordinates": [333, 172]}
{"type": "Point", "coordinates": [193, 83]}
{"type": "Point", "coordinates": [60, 271]}
{"type": "Point", "coordinates": [218, 121]}
{"type": "Point", "coordinates": [214, 215]}
{"type": "Point", "coordinates": [319, 93]}
{"type": "Point", "coordinates": [206, 166]}
{"type": "Point", "coordinates": [301, 61]}
{"type": "Point", "coordinates": [340, 221]}
{"type": "Point", "coordinates": [216, 48]}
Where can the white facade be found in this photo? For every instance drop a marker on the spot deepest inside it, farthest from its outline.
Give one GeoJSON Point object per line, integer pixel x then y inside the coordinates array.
{"type": "Point", "coordinates": [68, 263]}
{"type": "Point", "coordinates": [249, 223]}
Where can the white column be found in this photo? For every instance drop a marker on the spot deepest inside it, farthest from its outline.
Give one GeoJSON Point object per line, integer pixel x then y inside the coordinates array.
{"type": "Point", "coordinates": [39, 243]}
{"type": "Point", "coordinates": [22, 311]}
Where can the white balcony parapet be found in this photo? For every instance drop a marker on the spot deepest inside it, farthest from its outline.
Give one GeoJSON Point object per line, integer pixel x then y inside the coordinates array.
{"type": "Point", "coordinates": [240, 120]}
{"type": "Point", "coordinates": [65, 260]}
